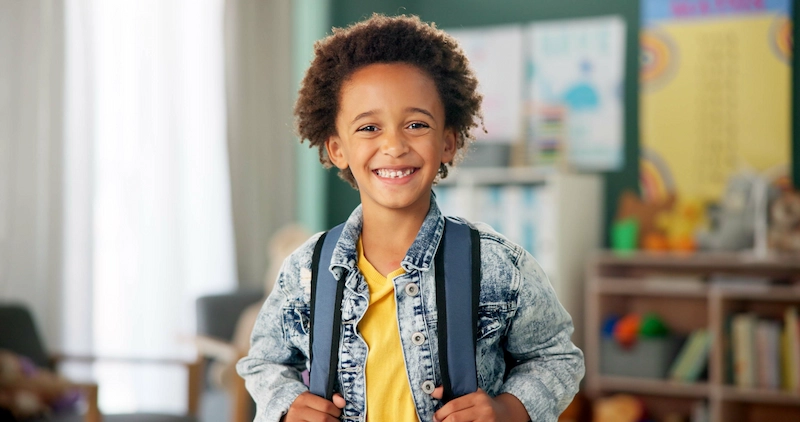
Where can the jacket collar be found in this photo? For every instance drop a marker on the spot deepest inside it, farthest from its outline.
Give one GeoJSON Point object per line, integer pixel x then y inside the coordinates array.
{"type": "Point", "coordinates": [419, 256]}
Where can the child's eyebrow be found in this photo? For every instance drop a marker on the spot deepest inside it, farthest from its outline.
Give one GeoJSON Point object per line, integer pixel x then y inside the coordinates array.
{"type": "Point", "coordinates": [421, 110]}
{"type": "Point", "coordinates": [409, 110]}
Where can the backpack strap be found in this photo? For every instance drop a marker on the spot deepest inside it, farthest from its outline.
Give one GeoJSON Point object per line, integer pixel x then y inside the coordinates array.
{"type": "Point", "coordinates": [458, 274]}
{"type": "Point", "coordinates": [326, 299]}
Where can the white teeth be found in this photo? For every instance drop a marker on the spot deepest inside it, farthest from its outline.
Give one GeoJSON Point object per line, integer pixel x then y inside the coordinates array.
{"type": "Point", "coordinates": [394, 174]}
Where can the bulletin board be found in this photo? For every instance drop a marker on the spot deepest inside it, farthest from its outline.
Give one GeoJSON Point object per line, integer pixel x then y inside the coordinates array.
{"type": "Point", "coordinates": [715, 93]}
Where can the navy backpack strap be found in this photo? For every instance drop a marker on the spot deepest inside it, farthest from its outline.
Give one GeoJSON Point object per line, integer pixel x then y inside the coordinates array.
{"type": "Point", "coordinates": [458, 268]}
{"type": "Point", "coordinates": [326, 300]}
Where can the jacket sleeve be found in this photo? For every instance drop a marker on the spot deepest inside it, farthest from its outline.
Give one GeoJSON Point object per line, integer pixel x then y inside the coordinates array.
{"type": "Point", "coordinates": [272, 368]}
{"type": "Point", "coordinates": [550, 367]}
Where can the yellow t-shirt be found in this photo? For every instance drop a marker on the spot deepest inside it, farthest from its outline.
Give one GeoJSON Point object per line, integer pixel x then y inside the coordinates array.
{"type": "Point", "coordinates": [388, 393]}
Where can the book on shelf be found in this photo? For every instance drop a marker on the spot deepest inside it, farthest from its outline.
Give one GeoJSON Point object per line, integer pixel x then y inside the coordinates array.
{"type": "Point", "coordinates": [768, 353]}
{"type": "Point", "coordinates": [790, 350]}
{"type": "Point", "coordinates": [743, 346]}
{"type": "Point", "coordinates": [692, 359]}
{"type": "Point", "coordinates": [765, 353]}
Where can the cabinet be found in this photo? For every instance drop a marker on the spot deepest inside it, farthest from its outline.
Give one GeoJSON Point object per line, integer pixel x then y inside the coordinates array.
{"type": "Point", "coordinates": [679, 289]}
{"type": "Point", "coordinates": [554, 215]}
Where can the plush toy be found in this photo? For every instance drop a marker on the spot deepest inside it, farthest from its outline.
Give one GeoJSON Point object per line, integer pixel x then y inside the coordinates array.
{"type": "Point", "coordinates": [734, 223]}
{"type": "Point", "coordinates": [679, 225]}
{"type": "Point", "coordinates": [644, 212]}
{"type": "Point", "coordinates": [27, 391]}
{"type": "Point", "coordinates": [784, 227]}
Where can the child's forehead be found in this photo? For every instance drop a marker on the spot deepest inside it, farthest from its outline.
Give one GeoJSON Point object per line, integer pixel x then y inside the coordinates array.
{"type": "Point", "coordinates": [389, 82]}
{"type": "Point", "coordinates": [381, 69]}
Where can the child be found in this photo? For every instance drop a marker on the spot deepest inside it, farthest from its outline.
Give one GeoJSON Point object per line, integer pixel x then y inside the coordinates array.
{"type": "Point", "coordinates": [391, 102]}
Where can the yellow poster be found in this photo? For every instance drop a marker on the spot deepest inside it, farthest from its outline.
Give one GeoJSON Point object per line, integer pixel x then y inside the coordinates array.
{"type": "Point", "coordinates": [715, 93]}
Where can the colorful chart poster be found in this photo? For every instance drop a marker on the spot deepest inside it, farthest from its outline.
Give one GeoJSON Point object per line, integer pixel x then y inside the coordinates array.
{"type": "Point", "coordinates": [575, 79]}
{"type": "Point", "coordinates": [715, 93]}
{"type": "Point", "coordinates": [495, 54]}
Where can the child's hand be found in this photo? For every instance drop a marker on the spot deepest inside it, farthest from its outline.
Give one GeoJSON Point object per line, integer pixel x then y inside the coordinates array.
{"type": "Point", "coordinates": [478, 406]}
{"type": "Point", "coordinates": [310, 407]}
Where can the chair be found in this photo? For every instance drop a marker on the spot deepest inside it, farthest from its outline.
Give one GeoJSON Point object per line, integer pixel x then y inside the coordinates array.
{"type": "Point", "coordinates": [217, 320]}
{"type": "Point", "coordinates": [18, 333]}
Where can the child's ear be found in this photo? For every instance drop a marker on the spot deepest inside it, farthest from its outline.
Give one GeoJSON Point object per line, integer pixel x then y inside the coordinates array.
{"type": "Point", "coordinates": [449, 145]}
{"type": "Point", "coordinates": [335, 152]}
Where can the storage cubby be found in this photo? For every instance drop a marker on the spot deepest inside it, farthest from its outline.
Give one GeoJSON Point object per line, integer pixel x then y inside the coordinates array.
{"type": "Point", "coordinates": [690, 292]}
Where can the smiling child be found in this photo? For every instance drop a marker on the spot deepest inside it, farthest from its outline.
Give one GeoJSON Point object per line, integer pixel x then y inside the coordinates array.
{"type": "Point", "coordinates": [391, 102]}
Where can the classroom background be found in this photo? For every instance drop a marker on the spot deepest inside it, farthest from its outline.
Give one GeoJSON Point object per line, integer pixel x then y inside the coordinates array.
{"type": "Point", "coordinates": [646, 152]}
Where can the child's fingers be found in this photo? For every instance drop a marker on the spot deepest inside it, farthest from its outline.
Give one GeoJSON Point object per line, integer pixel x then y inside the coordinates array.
{"type": "Point", "coordinates": [309, 403]}
{"type": "Point", "coordinates": [438, 393]}
{"type": "Point", "coordinates": [474, 406]}
{"type": "Point", "coordinates": [453, 406]}
{"type": "Point", "coordinates": [338, 400]}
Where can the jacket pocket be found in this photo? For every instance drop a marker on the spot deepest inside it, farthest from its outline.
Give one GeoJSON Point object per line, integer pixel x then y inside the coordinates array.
{"type": "Point", "coordinates": [490, 321]}
{"type": "Point", "coordinates": [296, 320]}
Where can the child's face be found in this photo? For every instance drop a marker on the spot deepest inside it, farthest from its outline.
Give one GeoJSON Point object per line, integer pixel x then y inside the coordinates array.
{"type": "Point", "coordinates": [391, 133]}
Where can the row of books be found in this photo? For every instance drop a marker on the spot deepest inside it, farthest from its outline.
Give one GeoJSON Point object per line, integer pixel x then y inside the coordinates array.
{"type": "Point", "coordinates": [765, 353]}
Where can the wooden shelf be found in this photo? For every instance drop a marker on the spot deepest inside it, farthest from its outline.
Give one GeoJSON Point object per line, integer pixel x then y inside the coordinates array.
{"type": "Point", "coordinates": [760, 395]}
{"type": "Point", "coordinates": [770, 293]}
{"type": "Point", "coordinates": [745, 262]}
{"type": "Point", "coordinates": [654, 386]}
{"type": "Point", "coordinates": [622, 286]}
{"type": "Point", "coordinates": [690, 291]}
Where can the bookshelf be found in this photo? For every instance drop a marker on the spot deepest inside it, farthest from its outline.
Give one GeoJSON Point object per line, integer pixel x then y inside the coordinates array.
{"type": "Point", "coordinates": [684, 291]}
{"type": "Point", "coordinates": [554, 215]}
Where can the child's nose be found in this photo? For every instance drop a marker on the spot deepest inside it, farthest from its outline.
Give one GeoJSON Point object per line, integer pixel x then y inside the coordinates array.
{"type": "Point", "coordinates": [394, 144]}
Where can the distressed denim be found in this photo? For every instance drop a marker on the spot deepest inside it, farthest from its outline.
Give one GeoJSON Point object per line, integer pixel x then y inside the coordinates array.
{"type": "Point", "coordinates": [518, 311]}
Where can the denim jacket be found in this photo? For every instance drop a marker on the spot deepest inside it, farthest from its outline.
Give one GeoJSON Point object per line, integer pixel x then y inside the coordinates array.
{"type": "Point", "coordinates": [518, 312]}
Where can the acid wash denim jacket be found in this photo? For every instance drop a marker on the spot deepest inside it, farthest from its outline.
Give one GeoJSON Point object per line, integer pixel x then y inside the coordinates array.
{"type": "Point", "coordinates": [518, 311]}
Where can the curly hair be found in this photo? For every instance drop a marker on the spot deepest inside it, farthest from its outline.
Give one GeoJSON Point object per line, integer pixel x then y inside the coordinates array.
{"type": "Point", "coordinates": [383, 39]}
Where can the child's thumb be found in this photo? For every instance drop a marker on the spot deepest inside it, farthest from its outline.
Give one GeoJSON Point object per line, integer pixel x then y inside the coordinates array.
{"type": "Point", "coordinates": [438, 393]}
{"type": "Point", "coordinates": [338, 401]}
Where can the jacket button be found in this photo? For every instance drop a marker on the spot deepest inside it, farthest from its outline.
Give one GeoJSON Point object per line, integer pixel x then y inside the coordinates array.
{"type": "Point", "coordinates": [417, 338]}
{"type": "Point", "coordinates": [428, 387]}
{"type": "Point", "coordinates": [412, 289]}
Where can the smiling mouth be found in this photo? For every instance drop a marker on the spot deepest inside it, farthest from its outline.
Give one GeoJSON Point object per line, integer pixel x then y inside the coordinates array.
{"type": "Point", "coordinates": [394, 174]}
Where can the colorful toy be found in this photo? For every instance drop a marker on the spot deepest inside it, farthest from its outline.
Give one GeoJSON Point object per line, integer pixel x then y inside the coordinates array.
{"type": "Point", "coordinates": [626, 330]}
{"type": "Point", "coordinates": [645, 212]}
{"type": "Point", "coordinates": [679, 225]}
{"type": "Point", "coordinates": [653, 326]}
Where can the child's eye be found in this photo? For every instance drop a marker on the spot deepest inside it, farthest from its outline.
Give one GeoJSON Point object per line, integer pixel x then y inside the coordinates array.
{"type": "Point", "coordinates": [418, 125]}
{"type": "Point", "coordinates": [368, 128]}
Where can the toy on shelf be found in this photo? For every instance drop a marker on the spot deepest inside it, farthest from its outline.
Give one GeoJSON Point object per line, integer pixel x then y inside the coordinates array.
{"type": "Point", "coordinates": [733, 224]}
{"type": "Point", "coordinates": [784, 224]}
{"type": "Point", "coordinates": [633, 210]}
{"type": "Point", "coordinates": [679, 225]}
{"type": "Point", "coordinates": [626, 330]}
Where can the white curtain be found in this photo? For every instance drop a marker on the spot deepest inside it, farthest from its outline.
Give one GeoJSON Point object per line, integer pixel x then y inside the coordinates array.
{"type": "Point", "coordinates": [148, 224]}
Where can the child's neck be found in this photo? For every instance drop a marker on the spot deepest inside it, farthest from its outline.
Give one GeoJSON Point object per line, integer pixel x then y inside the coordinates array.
{"type": "Point", "coordinates": [387, 236]}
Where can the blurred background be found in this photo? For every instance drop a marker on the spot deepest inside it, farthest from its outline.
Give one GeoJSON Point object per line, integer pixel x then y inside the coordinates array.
{"type": "Point", "coordinates": [149, 167]}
